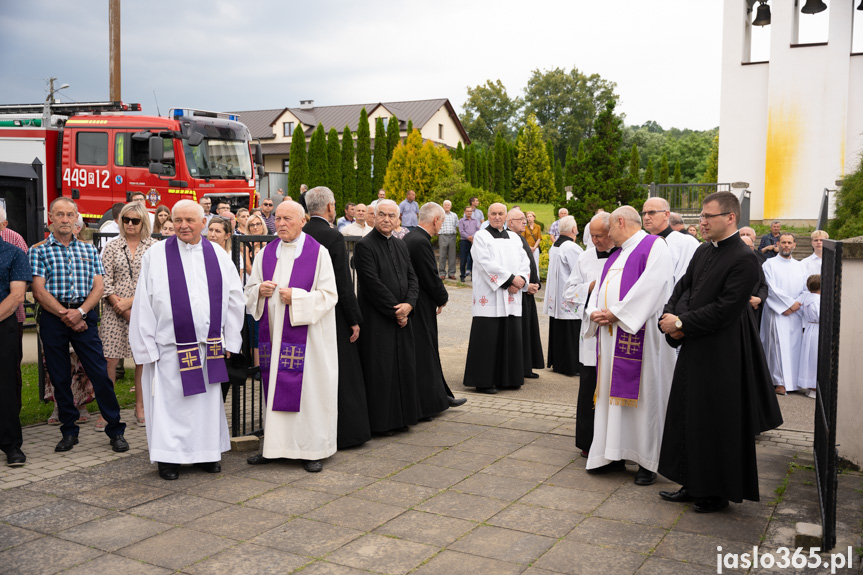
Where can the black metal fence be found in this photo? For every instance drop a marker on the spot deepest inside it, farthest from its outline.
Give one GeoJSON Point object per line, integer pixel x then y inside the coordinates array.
{"type": "Point", "coordinates": [826, 455]}
{"type": "Point", "coordinates": [685, 199]}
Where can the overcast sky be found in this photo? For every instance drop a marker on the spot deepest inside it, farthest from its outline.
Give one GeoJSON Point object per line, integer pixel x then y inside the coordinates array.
{"type": "Point", "coordinates": [254, 54]}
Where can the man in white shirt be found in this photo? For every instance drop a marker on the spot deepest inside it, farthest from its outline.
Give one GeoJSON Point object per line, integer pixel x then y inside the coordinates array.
{"type": "Point", "coordinates": [359, 226]}
{"type": "Point", "coordinates": [813, 262]}
{"type": "Point", "coordinates": [655, 213]}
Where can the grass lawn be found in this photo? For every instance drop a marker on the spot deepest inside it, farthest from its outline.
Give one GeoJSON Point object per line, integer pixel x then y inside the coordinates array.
{"type": "Point", "coordinates": [765, 229]}
{"type": "Point", "coordinates": [34, 410]}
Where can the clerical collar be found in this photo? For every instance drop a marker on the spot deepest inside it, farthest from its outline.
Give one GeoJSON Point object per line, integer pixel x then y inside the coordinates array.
{"type": "Point", "coordinates": [495, 233]}
{"type": "Point", "coordinates": [726, 240]}
{"type": "Point", "coordinates": [561, 240]}
{"type": "Point", "coordinates": [297, 243]}
{"type": "Point", "coordinates": [664, 233]}
{"type": "Point", "coordinates": [604, 255]}
{"type": "Point", "coordinates": [187, 245]}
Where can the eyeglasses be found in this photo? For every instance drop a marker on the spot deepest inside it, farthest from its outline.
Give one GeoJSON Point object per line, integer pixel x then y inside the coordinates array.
{"type": "Point", "coordinates": [708, 216]}
{"type": "Point", "coordinates": [133, 221]}
{"type": "Point", "coordinates": [652, 213]}
{"type": "Point", "coordinates": [267, 205]}
{"type": "Point", "coordinates": [256, 225]}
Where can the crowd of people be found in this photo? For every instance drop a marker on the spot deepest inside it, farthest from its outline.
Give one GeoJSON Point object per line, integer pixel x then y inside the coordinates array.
{"type": "Point", "coordinates": [640, 314]}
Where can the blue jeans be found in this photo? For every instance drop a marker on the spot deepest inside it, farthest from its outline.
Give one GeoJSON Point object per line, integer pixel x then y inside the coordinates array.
{"type": "Point", "coordinates": [464, 255]}
{"type": "Point", "coordinates": [56, 338]}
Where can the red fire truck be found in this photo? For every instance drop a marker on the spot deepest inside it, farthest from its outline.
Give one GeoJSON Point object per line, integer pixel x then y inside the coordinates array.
{"type": "Point", "coordinates": [98, 154]}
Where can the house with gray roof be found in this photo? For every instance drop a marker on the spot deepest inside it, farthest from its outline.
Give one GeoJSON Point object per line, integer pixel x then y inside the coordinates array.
{"type": "Point", "coordinates": [435, 119]}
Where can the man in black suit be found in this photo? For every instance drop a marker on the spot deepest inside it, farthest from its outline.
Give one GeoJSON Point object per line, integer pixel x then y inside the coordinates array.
{"type": "Point", "coordinates": [434, 394]}
{"type": "Point", "coordinates": [353, 426]}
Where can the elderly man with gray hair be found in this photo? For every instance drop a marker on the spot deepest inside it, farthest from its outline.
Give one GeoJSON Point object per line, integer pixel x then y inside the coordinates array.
{"type": "Point", "coordinates": [564, 323]}
{"type": "Point", "coordinates": [675, 222]}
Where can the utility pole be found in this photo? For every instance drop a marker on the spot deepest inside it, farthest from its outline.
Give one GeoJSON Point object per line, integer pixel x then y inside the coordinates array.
{"type": "Point", "coordinates": [114, 48]}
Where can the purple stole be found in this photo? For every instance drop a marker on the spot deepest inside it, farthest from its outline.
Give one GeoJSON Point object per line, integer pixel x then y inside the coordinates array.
{"type": "Point", "coordinates": [188, 353]}
{"type": "Point", "coordinates": [292, 352]}
{"type": "Point", "coordinates": [628, 347]}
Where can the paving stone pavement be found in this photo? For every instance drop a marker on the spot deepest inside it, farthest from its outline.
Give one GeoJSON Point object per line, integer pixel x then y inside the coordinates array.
{"type": "Point", "coordinates": [495, 486]}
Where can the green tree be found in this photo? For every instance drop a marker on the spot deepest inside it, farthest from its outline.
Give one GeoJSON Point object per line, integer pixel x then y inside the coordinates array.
{"type": "Point", "coordinates": [410, 126]}
{"type": "Point", "coordinates": [318, 165]}
{"type": "Point", "coordinates": [507, 170]}
{"type": "Point", "coordinates": [474, 167]}
{"type": "Point", "coordinates": [483, 171]}
{"type": "Point", "coordinates": [848, 221]}
{"type": "Point", "coordinates": [416, 166]}
{"type": "Point", "coordinates": [349, 173]}
{"type": "Point", "coordinates": [663, 170]}
{"type": "Point", "coordinates": [500, 152]}
{"type": "Point", "coordinates": [569, 167]}
{"type": "Point", "coordinates": [488, 111]}
{"type": "Point", "coordinates": [364, 160]}
{"type": "Point", "coordinates": [459, 152]}
{"type": "Point", "coordinates": [711, 173]}
{"type": "Point", "coordinates": [558, 179]}
{"type": "Point", "coordinates": [298, 169]}
{"type": "Point", "coordinates": [334, 165]}
{"type": "Point", "coordinates": [513, 166]}
{"type": "Point", "coordinates": [677, 174]}
{"type": "Point", "coordinates": [566, 104]}
{"type": "Point", "coordinates": [380, 159]}
{"type": "Point", "coordinates": [393, 136]}
{"type": "Point", "coordinates": [533, 172]}
{"type": "Point", "coordinates": [634, 162]}
{"type": "Point", "coordinates": [648, 173]}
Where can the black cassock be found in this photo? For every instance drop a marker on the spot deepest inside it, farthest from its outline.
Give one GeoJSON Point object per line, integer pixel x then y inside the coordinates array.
{"type": "Point", "coordinates": [353, 424]}
{"type": "Point", "coordinates": [721, 396]}
{"type": "Point", "coordinates": [760, 290]}
{"type": "Point", "coordinates": [431, 385]}
{"type": "Point", "coordinates": [530, 319]}
{"type": "Point", "coordinates": [563, 338]}
{"type": "Point", "coordinates": [386, 278]}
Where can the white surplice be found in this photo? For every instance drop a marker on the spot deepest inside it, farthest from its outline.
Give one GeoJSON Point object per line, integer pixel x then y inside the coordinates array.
{"type": "Point", "coordinates": [782, 335]}
{"type": "Point", "coordinates": [561, 261]}
{"type": "Point", "coordinates": [622, 432]}
{"type": "Point", "coordinates": [576, 292]}
{"type": "Point", "coordinates": [181, 429]}
{"type": "Point", "coordinates": [681, 246]}
{"type": "Point", "coordinates": [310, 433]}
{"type": "Point", "coordinates": [813, 264]}
{"type": "Point", "coordinates": [494, 261]}
{"type": "Point", "coordinates": [807, 377]}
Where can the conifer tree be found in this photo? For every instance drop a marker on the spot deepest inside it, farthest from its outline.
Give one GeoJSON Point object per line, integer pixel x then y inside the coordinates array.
{"type": "Point", "coordinates": [558, 179]}
{"type": "Point", "coordinates": [507, 171]}
{"type": "Point", "coordinates": [474, 168]}
{"type": "Point", "coordinates": [634, 162]}
{"type": "Point", "coordinates": [513, 165]}
{"type": "Point", "coordinates": [499, 171]}
{"type": "Point", "coordinates": [663, 170]}
{"type": "Point", "coordinates": [533, 172]}
{"type": "Point", "coordinates": [334, 164]}
{"type": "Point", "coordinates": [381, 160]}
{"type": "Point", "coordinates": [482, 171]}
{"type": "Point", "coordinates": [677, 174]}
{"type": "Point", "coordinates": [459, 152]}
{"type": "Point", "coordinates": [569, 167]}
{"type": "Point", "coordinates": [549, 150]}
{"type": "Point", "coordinates": [648, 172]}
{"type": "Point", "coordinates": [318, 165]}
{"type": "Point", "coordinates": [711, 174]}
{"type": "Point", "coordinates": [298, 168]}
{"type": "Point", "coordinates": [364, 160]}
{"type": "Point", "coordinates": [393, 136]}
{"type": "Point", "coordinates": [349, 172]}
{"type": "Point", "coordinates": [416, 166]}
{"type": "Point", "coordinates": [410, 126]}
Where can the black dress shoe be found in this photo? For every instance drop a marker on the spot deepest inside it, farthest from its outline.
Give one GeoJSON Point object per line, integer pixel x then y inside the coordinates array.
{"type": "Point", "coordinates": [313, 466]}
{"type": "Point", "coordinates": [426, 419]}
{"type": "Point", "coordinates": [119, 444]}
{"type": "Point", "coordinates": [710, 504]}
{"type": "Point", "coordinates": [258, 459]}
{"type": "Point", "coordinates": [488, 390]}
{"type": "Point", "coordinates": [15, 458]}
{"type": "Point", "coordinates": [67, 443]}
{"type": "Point", "coordinates": [210, 466]}
{"type": "Point", "coordinates": [645, 476]}
{"type": "Point", "coordinates": [169, 471]}
{"type": "Point", "coordinates": [531, 375]}
{"type": "Point", "coordinates": [679, 496]}
{"type": "Point", "coordinates": [456, 401]}
{"type": "Point", "coordinates": [619, 465]}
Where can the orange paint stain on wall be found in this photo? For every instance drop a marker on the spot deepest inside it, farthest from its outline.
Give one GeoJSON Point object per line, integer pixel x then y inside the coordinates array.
{"type": "Point", "coordinates": [781, 160]}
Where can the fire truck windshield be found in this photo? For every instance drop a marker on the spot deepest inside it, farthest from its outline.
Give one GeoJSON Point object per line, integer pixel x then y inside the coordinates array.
{"type": "Point", "coordinates": [219, 159]}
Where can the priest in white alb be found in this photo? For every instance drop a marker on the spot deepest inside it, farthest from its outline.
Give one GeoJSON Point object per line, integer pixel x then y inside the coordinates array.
{"type": "Point", "coordinates": [564, 323]}
{"type": "Point", "coordinates": [635, 365]}
{"type": "Point", "coordinates": [782, 321]}
{"type": "Point", "coordinates": [188, 310]}
{"type": "Point", "coordinates": [813, 261]}
{"type": "Point", "coordinates": [579, 285]}
{"type": "Point", "coordinates": [656, 214]}
{"type": "Point", "coordinates": [292, 292]}
{"type": "Point", "coordinates": [501, 269]}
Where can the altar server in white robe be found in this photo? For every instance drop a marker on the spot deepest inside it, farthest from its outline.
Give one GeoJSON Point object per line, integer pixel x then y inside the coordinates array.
{"type": "Point", "coordinates": [185, 414]}
{"type": "Point", "coordinates": [500, 270]}
{"type": "Point", "coordinates": [635, 364]}
{"type": "Point", "coordinates": [656, 213]}
{"type": "Point", "coordinates": [564, 324]}
{"type": "Point", "coordinates": [782, 322]}
{"type": "Point", "coordinates": [581, 282]}
{"type": "Point", "coordinates": [813, 261]}
{"type": "Point", "coordinates": [293, 281]}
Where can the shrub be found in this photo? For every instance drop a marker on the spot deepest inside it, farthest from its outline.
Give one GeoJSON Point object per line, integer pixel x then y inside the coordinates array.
{"type": "Point", "coordinates": [848, 222]}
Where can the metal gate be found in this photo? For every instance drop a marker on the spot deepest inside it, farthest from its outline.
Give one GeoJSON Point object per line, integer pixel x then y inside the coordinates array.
{"type": "Point", "coordinates": [685, 199]}
{"type": "Point", "coordinates": [826, 455]}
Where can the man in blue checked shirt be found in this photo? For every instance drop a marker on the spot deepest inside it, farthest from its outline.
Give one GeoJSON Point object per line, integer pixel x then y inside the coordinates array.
{"type": "Point", "coordinates": [67, 284]}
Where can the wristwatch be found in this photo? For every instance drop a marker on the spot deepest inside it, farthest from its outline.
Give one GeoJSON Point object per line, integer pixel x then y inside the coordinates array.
{"type": "Point", "coordinates": [83, 313]}
{"type": "Point", "coordinates": [678, 324]}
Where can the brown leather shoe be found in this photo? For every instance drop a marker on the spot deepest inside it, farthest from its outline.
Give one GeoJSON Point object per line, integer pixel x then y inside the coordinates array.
{"type": "Point", "coordinates": [780, 390]}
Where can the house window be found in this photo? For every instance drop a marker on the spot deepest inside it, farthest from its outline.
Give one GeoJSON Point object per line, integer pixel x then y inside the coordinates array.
{"type": "Point", "coordinates": [440, 131]}
{"type": "Point", "coordinates": [288, 128]}
{"type": "Point", "coordinates": [286, 164]}
{"type": "Point", "coordinates": [386, 122]}
{"type": "Point", "coordinates": [810, 28]}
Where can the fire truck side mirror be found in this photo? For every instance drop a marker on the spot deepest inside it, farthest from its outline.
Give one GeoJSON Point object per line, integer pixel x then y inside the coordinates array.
{"type": "Point", "coordinates": [156, 150]}
{"type": "Point", "coordinates": [259, 154]}
{"type": "Point", "coordinates": [260, 171]}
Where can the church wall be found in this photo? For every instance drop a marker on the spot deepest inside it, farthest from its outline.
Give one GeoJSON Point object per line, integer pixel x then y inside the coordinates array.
{"type": "Point", "coordinates": [849, 418]}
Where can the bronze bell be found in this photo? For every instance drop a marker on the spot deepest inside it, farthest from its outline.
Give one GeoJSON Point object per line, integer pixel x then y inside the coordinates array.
{"type": "Point", "coordinates": [814, 7]}
{"type": "Point", "coordinates": [762, 16]}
